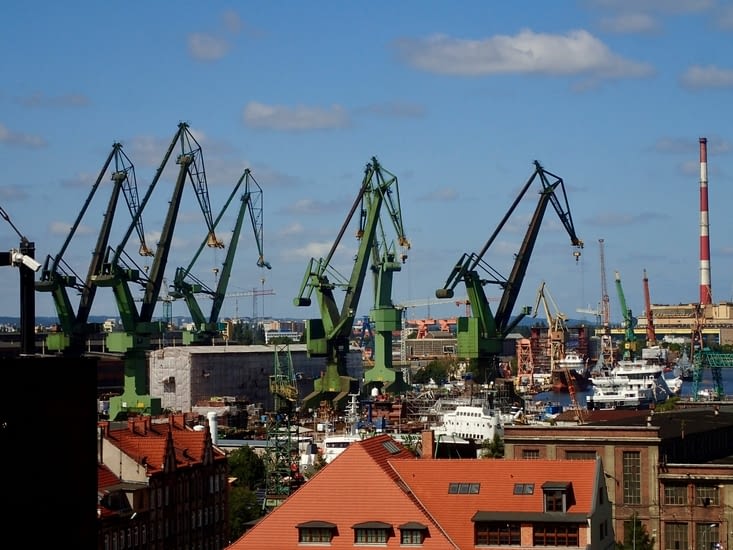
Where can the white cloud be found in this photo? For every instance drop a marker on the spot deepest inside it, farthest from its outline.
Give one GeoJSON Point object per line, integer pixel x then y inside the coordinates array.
{"type": "Point", "coordinates": [698, 77]}
{"type": "Point", "coordinates": [280, 117]}
{"type": "Point", "coordinates": [206, 47]}
{"type": "Point", "coordinates": [20, 139]}
{"type": "Point", "coordinates": [575, 53]}
{"type": "Point", "coordinates": [232, 21]}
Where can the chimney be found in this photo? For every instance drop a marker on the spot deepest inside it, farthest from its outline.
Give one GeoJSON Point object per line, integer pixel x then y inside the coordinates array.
{"type": "Point", "coordinates": [428, 443]}
{"type": "Point", "coordinates": [705, 288]}
{"type": "Point", "coordinates": [211, 416]}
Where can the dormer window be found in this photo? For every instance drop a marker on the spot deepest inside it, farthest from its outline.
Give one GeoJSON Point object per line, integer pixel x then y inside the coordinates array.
{"type": "Point", "coordinates": [316, 531]}
{"type": "Point", "coordinates": [412, 533]}
{"type": "Point", "coordinates": [557, 496]}
{"type": "Point", "coordinates": [372, 532]}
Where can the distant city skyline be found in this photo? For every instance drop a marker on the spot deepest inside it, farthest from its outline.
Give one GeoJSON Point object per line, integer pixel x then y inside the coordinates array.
{"type": "Point", "coordinates": [612, 96]}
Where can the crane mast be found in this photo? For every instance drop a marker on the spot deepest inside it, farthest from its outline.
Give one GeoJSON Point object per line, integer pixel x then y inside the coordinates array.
{"type": "Point", "coordinates": [605, 301]}
{"type": "Point", "coordinates": [606, 357]}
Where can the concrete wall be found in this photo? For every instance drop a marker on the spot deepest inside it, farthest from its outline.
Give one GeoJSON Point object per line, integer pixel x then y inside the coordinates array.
{"type": "Point", "coordinates": [183, 376]}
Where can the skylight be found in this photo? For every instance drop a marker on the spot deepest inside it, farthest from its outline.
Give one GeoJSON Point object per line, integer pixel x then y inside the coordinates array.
{"type": "Point", "coordinates": [464, 488]}
{"type": "Point", "coordinates": [524, 488]}
{"type": "Point", "coordinates": [391, 447]}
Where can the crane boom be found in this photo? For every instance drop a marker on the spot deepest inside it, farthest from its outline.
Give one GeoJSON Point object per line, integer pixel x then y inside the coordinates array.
{"type": "Point", "coordinates": [328, 336]}
{"type": "Point", "coordinates": [481, 335]}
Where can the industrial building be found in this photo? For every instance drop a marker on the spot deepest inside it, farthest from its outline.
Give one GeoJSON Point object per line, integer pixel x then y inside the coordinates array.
{"type": "Point", "coordinates": [187, 375]}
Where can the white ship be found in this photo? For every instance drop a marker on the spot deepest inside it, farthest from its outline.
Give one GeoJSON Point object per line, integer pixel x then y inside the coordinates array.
{"type": "Point", "coordinates": [472, 425]}
{"type": "Point", "coordinates": [631, 384]}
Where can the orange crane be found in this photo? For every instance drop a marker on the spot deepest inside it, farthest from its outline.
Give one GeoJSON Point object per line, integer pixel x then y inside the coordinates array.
{"type": "Point", "coordinates": [557, 329]}
{"type": "Point", "coordinates": [651, 335]}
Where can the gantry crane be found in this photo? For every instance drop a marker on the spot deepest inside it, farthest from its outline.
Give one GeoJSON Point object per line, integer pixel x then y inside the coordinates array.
{"type": "Point", "coordinates": [186, 285]}
{"type": "Point", "coordinates": [118, 271]}
{"type": "Point", "coordinates": [328, 336]}
{"type": "Point", "coordinates": [57, 276]}
{"type": "Point", "coordinates": [481, 336]}
{"type": "Point", "coordinates": [629, 322]}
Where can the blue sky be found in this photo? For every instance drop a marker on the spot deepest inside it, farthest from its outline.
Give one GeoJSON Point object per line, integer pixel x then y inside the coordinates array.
{"type": "Point", "coordinates": [455, 99]}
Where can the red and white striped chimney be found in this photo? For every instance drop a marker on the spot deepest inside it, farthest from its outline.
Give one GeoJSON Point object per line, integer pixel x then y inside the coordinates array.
{"type": "Point", "coordinates": [705, 289]}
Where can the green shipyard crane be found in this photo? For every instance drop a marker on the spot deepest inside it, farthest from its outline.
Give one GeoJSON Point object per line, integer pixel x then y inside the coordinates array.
{"type": "Point", "coordinates": [187, 286]}
{"type": "Point", "coordinates": [118, 271]}
{"type": "Point", "coordinates": [630, 322]}
{"type": "Point", "coordinates": [57, 276]}
{"type": "Point", "coordinates": [480, 337]}
{"type": "Point", "coordinates": [328, 336]}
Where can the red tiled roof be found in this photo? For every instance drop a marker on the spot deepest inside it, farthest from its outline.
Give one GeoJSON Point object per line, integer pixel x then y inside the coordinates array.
{"type": "Point", "coordinates": [367, 483]}
{"type": "Point", "coordinates": [105, 477]}
{"type": "Point", "coordinates": [147, 442]}
{"type": "Point", "coordinates": [357, 487]}
{"type": "Point", "coordinates": [429, 479]}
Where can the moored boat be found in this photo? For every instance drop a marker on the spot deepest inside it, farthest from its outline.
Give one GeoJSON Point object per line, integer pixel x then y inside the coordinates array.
{"type": "Point", "coordinates": [573, 365]}
{"type": "Point", "coordinates": [631, 384]}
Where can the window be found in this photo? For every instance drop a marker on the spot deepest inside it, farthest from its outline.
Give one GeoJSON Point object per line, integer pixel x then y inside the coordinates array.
{"type": "Point", "coordinates": [675, 536]}
{"type": "Point", "coordinates": [315, 534]}
{"type": "Point", "coordinates": [632, 477]}
{"type": "Point", "coordinates": [555, 535]}
{"type": "Point", "coordinates": [464, 488]}
{"type": "Point", "coordinates": [497, 533]}
{"type": "Point", "coordinates": [372, 532]}
{"type": "Point", "coordinates": [557, 496]}
{"type": "Point", "coordinates": [675, 494]}
{"type": "Point", "coordinates": [707, 495]}
{"type": "Point", "coordinates": [412, 533]}
{"type": "Point", "coordinates": [554, 501]}
{"type": "Point", "coordinates": [316, 531]}
{"type": "Point", "coordinates": [580, 455]}
{"type": "Point", "coordinates": [371, 535]}
{"type": "Point", "coordinates": [524, 488]}
{"type": "Point", "coordinates": [707, 535]}
{"type": "Point", "coordinates": [530, 454]}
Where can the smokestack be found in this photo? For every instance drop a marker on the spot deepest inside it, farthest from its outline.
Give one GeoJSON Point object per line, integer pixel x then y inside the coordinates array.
{"type": "Point", "coordinates": [705, 288]}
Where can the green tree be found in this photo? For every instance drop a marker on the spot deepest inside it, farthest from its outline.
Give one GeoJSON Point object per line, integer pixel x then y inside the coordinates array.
{"type": "Point", "coordinates": [247, 467]}
{"type": "Point", "coordinates": [493, 448]}
{"type": "Point", "coordinates": [437, 370]}
{"type": "Point", "coordinates": [636, 537]}
{"type": "Point", "coordinates": [243, 508]}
